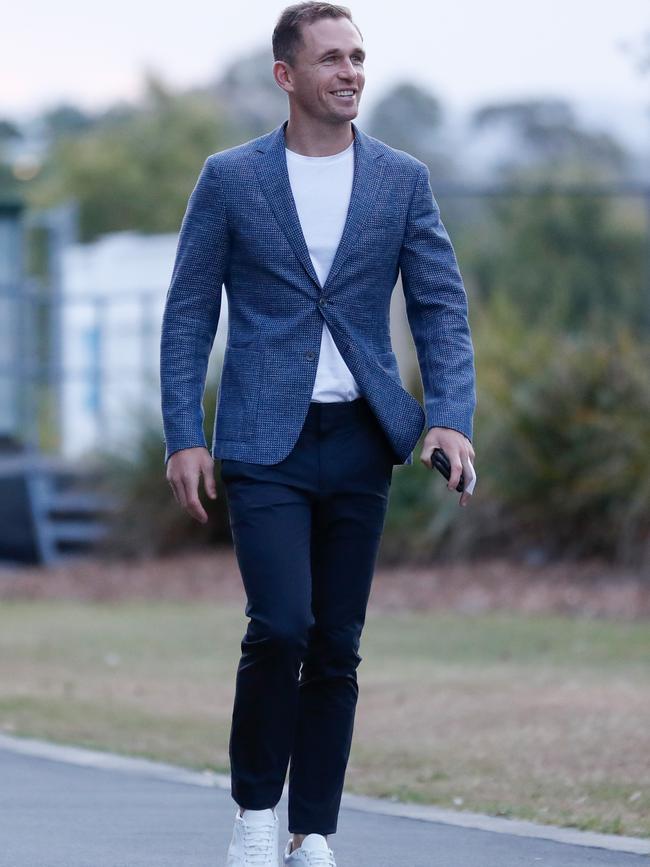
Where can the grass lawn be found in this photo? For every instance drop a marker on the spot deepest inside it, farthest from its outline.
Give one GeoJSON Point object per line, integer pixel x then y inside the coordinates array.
{"type": "Point", "coordinates": [537, 717]}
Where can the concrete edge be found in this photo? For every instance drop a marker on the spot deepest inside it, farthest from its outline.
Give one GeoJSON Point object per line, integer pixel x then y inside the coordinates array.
{"type": "Point", "coordinates": [210, 779]}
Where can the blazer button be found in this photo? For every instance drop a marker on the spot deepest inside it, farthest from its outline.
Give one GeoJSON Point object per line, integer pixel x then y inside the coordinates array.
{"type": "Point", "coordinates": [310, 355]}
{"type": "Point", "coordinates": [322, 301]}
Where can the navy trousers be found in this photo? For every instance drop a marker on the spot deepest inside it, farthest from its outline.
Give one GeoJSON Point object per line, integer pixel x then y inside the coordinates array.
{"type": "Point", "coordinates": [306, 533]}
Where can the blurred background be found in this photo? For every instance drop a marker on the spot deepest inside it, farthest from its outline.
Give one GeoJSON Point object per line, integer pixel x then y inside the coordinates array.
{"type": "Point", "coordinates": [534, 120]}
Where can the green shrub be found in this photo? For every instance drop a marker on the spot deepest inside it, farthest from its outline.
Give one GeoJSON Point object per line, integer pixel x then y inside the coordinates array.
{"type": "Point", "coordinates": [562, 442]}
{"type": "Point", "coordinates": [150, 522]}
{"type": "Point", "coordinates": [565, 261]}
{"type": "Point", "coordinates": [568, 439]}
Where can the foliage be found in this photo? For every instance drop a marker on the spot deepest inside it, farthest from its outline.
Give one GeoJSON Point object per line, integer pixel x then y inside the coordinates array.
{"type": "Point", "coordinates": [572, 262]}
{"type": "Point", "coordinates": [546, 133]}
{"type": "Point", "coordinates": [570, 418]}
{"type": "Point", "coordinates": [562, 429]}
{"type": "Point", "coordinates": [410, 118]}
{"type": "Point", "coordinates": [150, 521]}
{"type": "Point", "coordinates": [133, 170]}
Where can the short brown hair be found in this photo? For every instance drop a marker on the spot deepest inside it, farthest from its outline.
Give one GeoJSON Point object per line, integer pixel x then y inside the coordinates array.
{"type": "Point", "coordinates": [287, 38]}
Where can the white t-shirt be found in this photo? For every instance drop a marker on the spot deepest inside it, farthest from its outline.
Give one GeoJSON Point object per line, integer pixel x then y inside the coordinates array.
{"type": "Point", "coordinates": [321, 189]}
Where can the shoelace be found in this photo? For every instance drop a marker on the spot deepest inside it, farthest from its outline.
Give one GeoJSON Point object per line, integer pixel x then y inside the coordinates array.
{"type": "Point", "coordinates": [258, 840]}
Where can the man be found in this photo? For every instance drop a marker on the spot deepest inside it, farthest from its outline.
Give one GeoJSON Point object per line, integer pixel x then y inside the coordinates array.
{"type": "Point", "coordinates": [308, 227]}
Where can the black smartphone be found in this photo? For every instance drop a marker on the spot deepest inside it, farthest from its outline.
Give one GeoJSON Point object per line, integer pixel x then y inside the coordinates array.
{"type": "Point", "coordinates": [440, 461]}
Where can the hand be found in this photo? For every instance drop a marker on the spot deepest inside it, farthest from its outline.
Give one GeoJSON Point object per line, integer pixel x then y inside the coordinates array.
{"type": "Point", "coordinates": [457, 448]}
{"type": "Point", "coordinates": [184, 469]}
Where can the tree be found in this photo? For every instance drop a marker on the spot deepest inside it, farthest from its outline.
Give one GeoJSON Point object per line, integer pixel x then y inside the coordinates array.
{"type": "Point", "coordinates": [544, 134]}
{"type": "Point", "coordinates": [565, 262]}
{"type": "Point", "coordinates": [411, 119]}
{"type": "Point", "coordinates": [249, 97]}
{"type": "Point", "coordinates": [133, 170]}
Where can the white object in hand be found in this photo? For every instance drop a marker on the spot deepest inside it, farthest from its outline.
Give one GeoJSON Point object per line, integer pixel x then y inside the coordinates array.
{"type": "Point", "coordinates": [469, 486]}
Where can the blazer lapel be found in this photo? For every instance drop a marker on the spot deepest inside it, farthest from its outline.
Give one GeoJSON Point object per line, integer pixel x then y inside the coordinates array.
{"type": "Point", "coordinates": [273, 175]}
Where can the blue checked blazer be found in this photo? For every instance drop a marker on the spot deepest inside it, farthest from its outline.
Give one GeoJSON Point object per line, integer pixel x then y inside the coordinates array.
{"type": "Point", "coordinates": [241, 229]}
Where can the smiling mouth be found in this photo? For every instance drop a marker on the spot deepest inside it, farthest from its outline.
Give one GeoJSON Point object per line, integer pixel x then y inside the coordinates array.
{"type": "Point", "coordinates": [343, 94]}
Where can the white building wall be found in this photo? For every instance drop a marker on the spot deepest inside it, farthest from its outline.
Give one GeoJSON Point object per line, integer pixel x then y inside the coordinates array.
{"type": "Point", "coordinates": [114, 292]}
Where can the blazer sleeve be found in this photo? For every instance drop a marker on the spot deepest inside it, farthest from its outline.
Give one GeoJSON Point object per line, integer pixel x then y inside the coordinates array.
{"type": "Point", "coordinates": [191, 312]}
{"type": "Point", "coordinates": [437, 311]}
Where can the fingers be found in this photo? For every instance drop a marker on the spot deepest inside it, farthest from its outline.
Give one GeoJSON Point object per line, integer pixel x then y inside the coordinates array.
{"type": "Point", "coordinates": [209, 482]}
{"type": "Point", "coordinates": [186, 496]}
{"type": "Point", "coordinates": [460, 453]}
{"type": "Point", "coordinates": [190, 497]}
{"type": "Point", "coordinates": [465, 497]}
{"type": "Point", "coordinates": [172, 484]}
{"type": "Point", "coordinates": [456, 463]}
{"type": "Point", "coordinates": [184, 475]}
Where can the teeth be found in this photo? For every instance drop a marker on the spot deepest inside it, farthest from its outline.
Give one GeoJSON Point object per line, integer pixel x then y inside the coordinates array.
{"type": "Point", "coordinates": [343, 92]}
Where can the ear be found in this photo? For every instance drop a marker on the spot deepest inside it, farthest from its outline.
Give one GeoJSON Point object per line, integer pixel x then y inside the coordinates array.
{"type": "Point", "coordinates": [283, 76]}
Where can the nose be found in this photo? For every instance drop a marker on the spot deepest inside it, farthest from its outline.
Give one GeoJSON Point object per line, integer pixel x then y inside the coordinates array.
{"type": "Point", "coordinates": [349, 70]}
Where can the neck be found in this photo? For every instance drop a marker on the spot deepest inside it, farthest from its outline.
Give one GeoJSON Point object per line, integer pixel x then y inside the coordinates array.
{"type": "Point", "coordinates": [313, 139]}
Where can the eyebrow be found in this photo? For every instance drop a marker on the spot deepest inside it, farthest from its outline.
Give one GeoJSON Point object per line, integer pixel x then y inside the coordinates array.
{"type": "Point", "coordinates": [337, 51]}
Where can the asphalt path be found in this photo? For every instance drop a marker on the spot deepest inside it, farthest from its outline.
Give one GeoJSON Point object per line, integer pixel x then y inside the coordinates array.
{"type": "Point", "coordinates": [69, 812]}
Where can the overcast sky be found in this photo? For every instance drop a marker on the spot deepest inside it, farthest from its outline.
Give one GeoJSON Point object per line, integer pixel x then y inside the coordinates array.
{"type": "Point", "coordinates": [467, 52]}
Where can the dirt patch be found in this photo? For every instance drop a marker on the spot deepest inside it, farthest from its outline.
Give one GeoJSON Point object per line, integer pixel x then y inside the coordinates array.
{"type": "Point", "coordinates": [587, 589]}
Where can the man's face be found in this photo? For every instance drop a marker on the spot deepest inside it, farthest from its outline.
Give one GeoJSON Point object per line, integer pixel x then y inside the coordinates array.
{"type": "Point", "coordinates": [330, 60]}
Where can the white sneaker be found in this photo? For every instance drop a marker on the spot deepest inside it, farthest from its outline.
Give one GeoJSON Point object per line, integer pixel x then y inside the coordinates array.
{"type": "Point", "coordinates": [254, 840]}
{"type": "Point", "coordinates": [312, 852]}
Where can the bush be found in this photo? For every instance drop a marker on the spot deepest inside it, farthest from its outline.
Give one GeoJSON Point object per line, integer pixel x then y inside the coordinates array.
{"type": "Point", "coordinates": [572, 419]}
{"type": "Point", "coordinates": [562, 435]}
{"type": "Point", "coordinates": [150, 522]}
